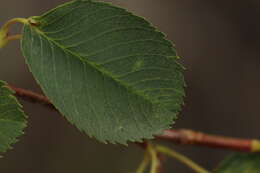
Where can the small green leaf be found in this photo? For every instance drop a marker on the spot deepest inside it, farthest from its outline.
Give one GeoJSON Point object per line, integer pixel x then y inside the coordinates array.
{"type": "Point", "coordinates": [108, 71]}
{"type": "Point", "coordinates": [240, 163]}
{"type": "Point", "coordinates": [12, 118]}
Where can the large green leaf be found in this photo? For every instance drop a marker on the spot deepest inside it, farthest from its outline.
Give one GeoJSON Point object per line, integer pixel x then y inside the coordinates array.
{"type": "Point", "coordinates": [12, 118]}
{"type": "Point", "coordinates": [109, 72]}
{"type": "Point", "coordinates": [240, 163]}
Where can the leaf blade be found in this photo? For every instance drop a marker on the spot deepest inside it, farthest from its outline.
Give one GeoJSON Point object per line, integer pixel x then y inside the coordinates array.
{"type": "Point", "coordinates": [108, 65]}
{"type": "Point", "coordinates": [240, 163]}
{"type": "Point", "coordinates": [12, 118]}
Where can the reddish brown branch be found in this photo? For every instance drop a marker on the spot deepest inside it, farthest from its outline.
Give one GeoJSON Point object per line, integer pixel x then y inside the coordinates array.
{"type": "Point", "coordinates": [31, 96]}
{"type": "Point", "coordinates": [182, 136]}
{"type": "Point", "coordinates": [185, 136]}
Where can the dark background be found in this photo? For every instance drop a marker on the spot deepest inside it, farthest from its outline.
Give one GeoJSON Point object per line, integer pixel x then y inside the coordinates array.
{"type": "Point", "coordinates": [219, 45]}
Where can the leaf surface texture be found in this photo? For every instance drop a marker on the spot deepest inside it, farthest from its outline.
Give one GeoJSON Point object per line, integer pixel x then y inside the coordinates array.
{"type": "Point", "coordinates": [106, 70]}
{"type": "Point", "coordinates": [240, 163]}
{"type": "Point", "coordinates": [12, 118]}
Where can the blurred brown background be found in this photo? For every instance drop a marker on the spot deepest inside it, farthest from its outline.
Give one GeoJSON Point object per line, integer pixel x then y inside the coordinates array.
{"type": "Point", "coordinates": [220, 47]}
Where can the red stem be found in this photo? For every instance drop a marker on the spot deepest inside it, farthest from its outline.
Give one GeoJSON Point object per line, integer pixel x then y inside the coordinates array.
{"type": "Point", "coordinates": [31, 96]}
{"type": "Point", "coordinates": [182, 136]}
{"type": "Point", "coordinates": [185, 136]}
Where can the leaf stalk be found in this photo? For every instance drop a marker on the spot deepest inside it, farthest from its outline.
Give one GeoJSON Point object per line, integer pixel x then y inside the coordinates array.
{"type": "Point", "coordinates": [154, 159]}
{"type": "Point", "coordinates": [183, 159]}
{"type": "Point", "coordinates": [144, 164]}
{"type": "Point", "coordinates": [4, 31]}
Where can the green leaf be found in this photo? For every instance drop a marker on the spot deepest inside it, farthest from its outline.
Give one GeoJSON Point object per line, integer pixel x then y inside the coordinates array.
{"type": "Point", "coordinates": [108, 71]}
{"type": "Point", "coordinates": [12, 118]}
{"type": "Point", "coordinates": [240, 163]}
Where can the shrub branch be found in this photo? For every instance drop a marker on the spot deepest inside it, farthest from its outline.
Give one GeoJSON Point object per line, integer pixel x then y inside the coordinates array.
{"type": "Point", "coordinates": [181, 136]}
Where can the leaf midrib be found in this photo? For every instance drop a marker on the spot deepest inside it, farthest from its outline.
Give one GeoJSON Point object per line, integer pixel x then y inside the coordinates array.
{"type": "Point", "coordinates": [97, 67]}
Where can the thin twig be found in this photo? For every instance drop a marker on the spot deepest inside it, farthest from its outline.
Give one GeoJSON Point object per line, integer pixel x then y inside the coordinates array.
{"type": "Point", "coordinates": [182, 136]}
{"type": "Point", "coordinates": [185, 136]}
{"type": "Point", "coordinates": [31, 96]}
